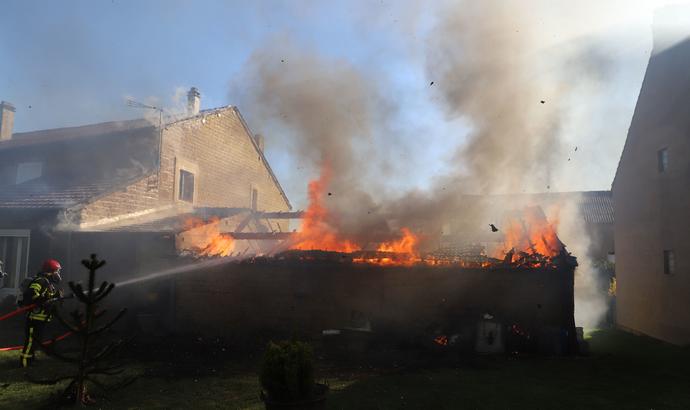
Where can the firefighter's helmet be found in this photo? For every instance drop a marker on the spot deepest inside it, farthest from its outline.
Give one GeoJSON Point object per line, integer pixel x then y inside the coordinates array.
{"type": "Point", "coordinates": [52, 268]}
{"type": "Point", "coordinates": [51, 265]}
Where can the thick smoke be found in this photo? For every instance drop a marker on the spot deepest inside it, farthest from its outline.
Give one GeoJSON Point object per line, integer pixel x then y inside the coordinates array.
{"type": "Point", "coordinates": [491, 68]}
{"type": "Point", "coordinates": [590, 284]}
{"type": "Point", "coordinates": [330, 110]}
{"type": "Point", "coordinates": [483, 59]}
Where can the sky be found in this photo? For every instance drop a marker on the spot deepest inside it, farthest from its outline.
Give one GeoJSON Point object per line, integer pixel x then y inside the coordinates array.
{"type": "Point", "coordinates": [76, 62]}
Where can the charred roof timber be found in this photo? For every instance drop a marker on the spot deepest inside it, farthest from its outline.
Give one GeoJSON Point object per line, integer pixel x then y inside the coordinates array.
{"type": "Point", "coordinates": [6, 120]}
{"type": "Point", "coordinates": [193, 101]}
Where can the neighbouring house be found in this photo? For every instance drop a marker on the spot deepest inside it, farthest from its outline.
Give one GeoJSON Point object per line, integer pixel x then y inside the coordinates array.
{"type": "Point", "coordinates": [651, 192]}
{"type": "Point", "coordinates": [126, 190]}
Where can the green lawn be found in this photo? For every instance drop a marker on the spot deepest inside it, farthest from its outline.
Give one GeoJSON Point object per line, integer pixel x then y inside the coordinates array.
{"type": "Point", "coordinates": [622, 372]}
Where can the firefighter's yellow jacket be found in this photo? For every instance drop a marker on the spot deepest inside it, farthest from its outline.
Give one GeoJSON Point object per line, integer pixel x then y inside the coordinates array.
{"type": "Point", "coordinates": [42, 290]}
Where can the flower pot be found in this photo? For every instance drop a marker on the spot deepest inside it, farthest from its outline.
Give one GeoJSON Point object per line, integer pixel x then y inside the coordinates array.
{"type": "Point", "coordinates": [317, 402]}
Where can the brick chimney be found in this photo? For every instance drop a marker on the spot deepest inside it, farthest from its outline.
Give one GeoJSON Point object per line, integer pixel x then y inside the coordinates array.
{"type": "Point", "coordinates": [6, 120]}
{"type": "Point", "coordinates": [193, 101]}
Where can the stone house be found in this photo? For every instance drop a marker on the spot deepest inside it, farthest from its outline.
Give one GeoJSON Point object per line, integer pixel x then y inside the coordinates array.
{"type": "Point", "coordinates": [124, 190]}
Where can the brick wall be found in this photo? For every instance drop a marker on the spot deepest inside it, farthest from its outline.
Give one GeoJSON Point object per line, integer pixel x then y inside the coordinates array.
{"type": "Point", "coordinates": [225, 162]}
{"type": "Point", "coordinates": [138, 197]}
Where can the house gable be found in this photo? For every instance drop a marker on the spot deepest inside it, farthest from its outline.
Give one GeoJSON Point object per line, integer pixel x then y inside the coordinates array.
{"type": "Point", "coordinates": [226, 165]}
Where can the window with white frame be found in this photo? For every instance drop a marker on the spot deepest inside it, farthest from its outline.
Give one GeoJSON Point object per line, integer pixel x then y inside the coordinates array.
{"type": "Point", "coordinates": [14, 253]}
{"type": "Point", "coordinates": [186, 189]}
{"type": "Point", "coordinates": [26, 171]}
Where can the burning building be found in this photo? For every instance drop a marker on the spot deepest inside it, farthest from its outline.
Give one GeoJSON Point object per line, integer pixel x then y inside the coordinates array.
{"type": "Point", "coordinates": [321, 282]}
{"type": "Point", "coordinates": [196, 194]}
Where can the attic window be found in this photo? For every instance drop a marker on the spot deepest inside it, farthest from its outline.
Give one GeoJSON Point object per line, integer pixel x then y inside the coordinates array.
{"type": "Point", "coordinates": [186, 186]}
{"type": "Point", "coordinates": [26, 171]}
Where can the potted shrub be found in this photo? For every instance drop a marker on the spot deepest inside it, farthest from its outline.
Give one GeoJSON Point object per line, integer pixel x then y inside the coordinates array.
{"type": "Point", "coordinates": [287, 377]}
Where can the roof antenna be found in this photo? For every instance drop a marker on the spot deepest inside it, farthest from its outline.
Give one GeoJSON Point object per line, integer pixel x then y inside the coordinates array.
{"type": "Point", "coordinates": [136, 104]}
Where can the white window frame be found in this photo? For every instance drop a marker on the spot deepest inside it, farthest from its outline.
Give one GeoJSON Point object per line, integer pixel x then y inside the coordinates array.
{"type": "Point", "coordinates": [182, 164]}
{"type": "Point", "coordinates": [13, 288]}
{"type": "Point", "coordinates": [183, 185]}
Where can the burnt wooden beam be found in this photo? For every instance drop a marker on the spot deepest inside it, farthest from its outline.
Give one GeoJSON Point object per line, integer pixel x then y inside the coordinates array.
{"type": "Point", "coordinates": [245, 222]}
{"type": "Point", "coordinates": [261, 235]}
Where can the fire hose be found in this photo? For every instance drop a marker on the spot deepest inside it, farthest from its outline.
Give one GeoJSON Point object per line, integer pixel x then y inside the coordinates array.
{"type": "Point", "coordinates": [33, 305]}
{"type": "Point", "coordinates": [46, 343]}
{"type": "Point", "coordinates": [18, 311]}
{"type": "Point", "coordinates": [29, 307]}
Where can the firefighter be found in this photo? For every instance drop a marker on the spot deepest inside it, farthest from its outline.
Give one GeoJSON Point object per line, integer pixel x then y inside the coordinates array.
{"type": "Point", "coordinates": [43, 290]}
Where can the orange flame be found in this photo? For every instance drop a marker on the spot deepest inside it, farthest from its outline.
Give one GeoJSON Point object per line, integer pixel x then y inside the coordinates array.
{"type": "Point", "coordinates": [531, 233]}
{"type": "Point", "coordinates": [317, 231]}
{"type": "Point", "coordinates": [400, 252]}
{"type": "Point", "coordinates": [529, 239]}
{"type": "Point", "coordinates": [407, 244]}
{"type": "Point", "coordinates": [203, 238]}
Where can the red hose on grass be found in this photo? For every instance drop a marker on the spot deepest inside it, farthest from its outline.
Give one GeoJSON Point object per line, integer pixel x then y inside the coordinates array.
{"type": "Point", "coordinates": [24, 309]}
{"type": "Point", "coordinates": [46, 343]}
